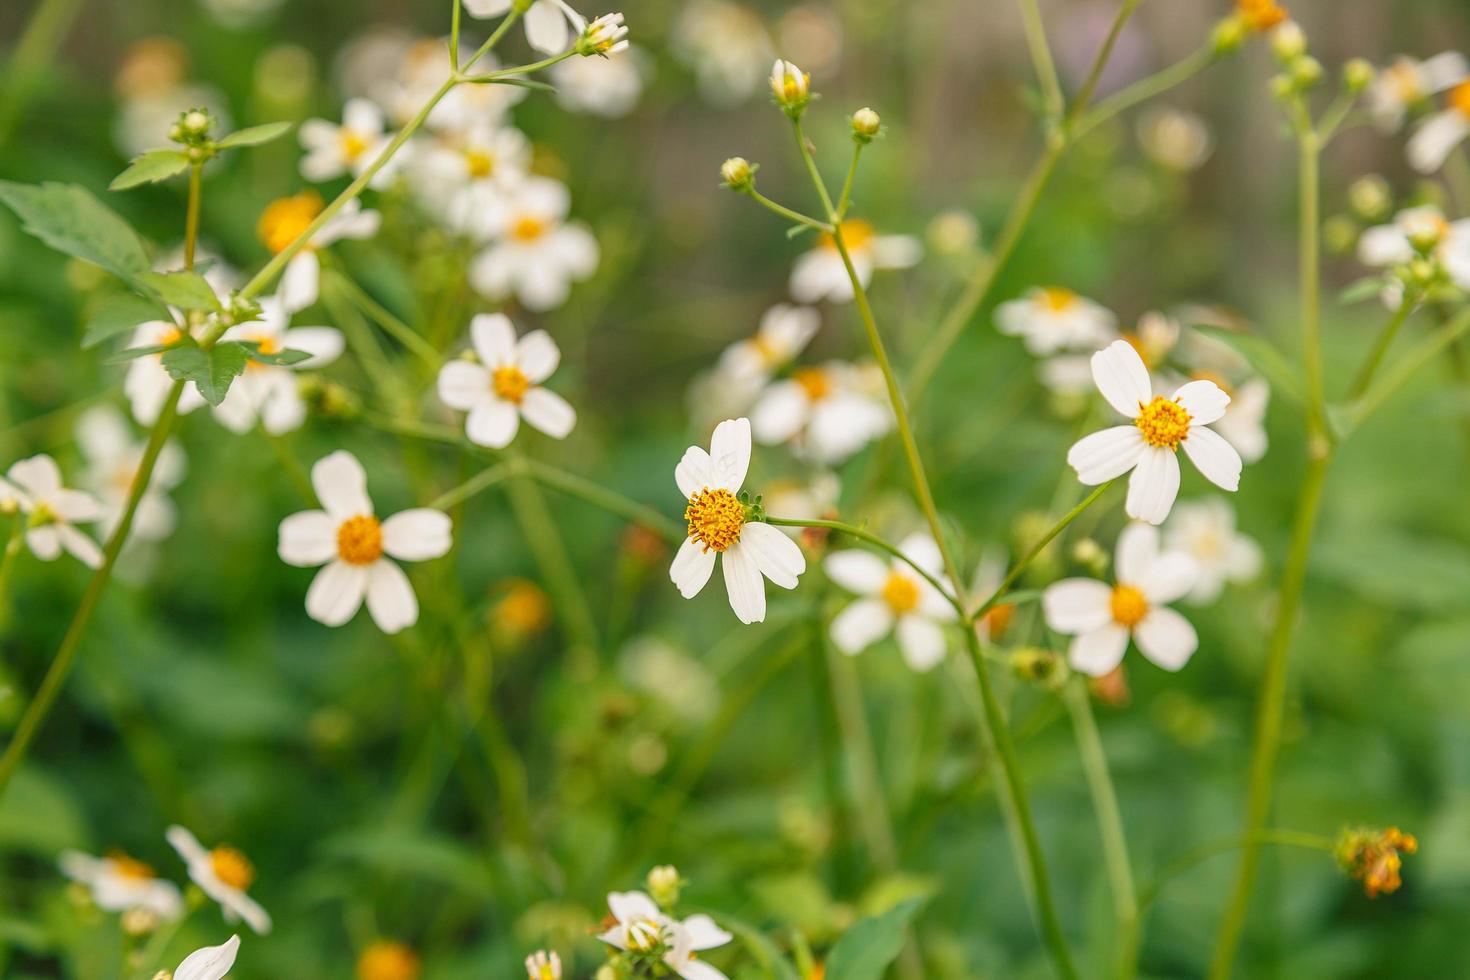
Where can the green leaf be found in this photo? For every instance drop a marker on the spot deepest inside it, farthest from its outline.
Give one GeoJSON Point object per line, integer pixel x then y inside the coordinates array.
{"type": "Point", "coordinates": [117, 312]}
{"type": "Point", "coordinates": [254, 135]}
{"type": "Point", "coordinates": [212, 371]}
{"type": "Point", "coordinates": [71, 220]}
{"type": "Point", "coordinates": [186, 290]}
{"type": "Point", "coordinates": [774, 965]}
{"type": "Point", "coordinates": [133, 353]}
{"type": "Point", "coordinates": [1263, 356]}
{"type": "Point", "coordinates": [1368, 288]}
{"type": "Point", "coordinates": [796, 231]}
{"type": "Point", "coordinates": [518, 83]}
{"type": "Point", "coordinates": [283, 358]}
{"type": "Point", "coordinates": [151, 167]}
{"type": "Point", "coordinates": [865, 950]}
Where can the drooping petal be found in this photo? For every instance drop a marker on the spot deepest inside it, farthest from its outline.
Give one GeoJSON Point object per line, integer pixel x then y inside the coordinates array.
{"type": "Point", "coordinates": [1122, 377]}
{"type": "Point", "coordinates": [1106, 455]}
{"type": "Point", "coordinates": [700, 970]}
{"type": "Point", "coordinates": [308, 539]}
{"type": "Point", "coordinates": [546, 28]}
{"type": "Point", "coordinates": [744, 583]}
{"type": "Point", "coordinates": [390, 598]}
{"type": "Point", "coordinates": [487, 8]}
{"type": "Point", "coordinates": [729, 448]}
{"type": "Point", "coordinates": [856, 571]}
{"type": "Point", "coordinates": [79, 546]}
{"type": "Point", "coordinates": [186, 844]}
{"type": "Point", "coordinates": [1432, 144]}
{"type": "Point", "coordinates": [463, 385]}
{"type": "Point", "coordinates": [418, 534]}
{"type": "Point", "coordinates": [301, 281]}
{"type": "Point", "coordinates": [209, 963]}
{"type": "Point", "coordinates": [537, 355]}
{"type": "Point", "coordinates": [336, 593]}
{"type": "Point", "coordinates": [494, 339]}
{"type": "Point", "coordinates": [921, 641]}
{"type": "Point", "coordinates": [860, 625]}
{"type": "Point", "coordinates": [492, 423]}
{"type": "Point", "coordinates": [341, 485]}
{"type": "Point", "coordinates": [75, 506]}
{"type": "Point", "coordinates": [44, 542]}
{"type": "Point", "coordinates": [1215, 458]}
{"type": "Point", "coordinates": [1166, 638]}
{"type": "Point", "coordinates": [1205, 401]}
{"type": "Point", "coordinates": [626, 906]}
{"type": "Point", "coordinates": [1099, 650]}
{"type": "Point", "coordinates": [691, 568]}
{"type": "Point", "coordinates": [1153, 485]}
{"type": "Point", "coordinates": [549, 412]}
{"type": "Point", "coordinates": [1077, 605]}
{"type": "Point", "coordinates": [704, 933]}
{"type": "Point", "coordinates": [778, 557]}
{"type": "Point", "coordinates": [695, 472]}
{"type": "Point", "coordinates": [1137, 550]}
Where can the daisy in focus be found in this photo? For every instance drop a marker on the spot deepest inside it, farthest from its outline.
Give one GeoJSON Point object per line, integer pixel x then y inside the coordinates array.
{"type": "Point", "coordinates": [1051, 319]}
{"type": "Point", "coordinates": [826, 413]}
{"type": "Point", "coordinates": [286, 219]}
{"type": "Point", "coordinates": [1408, 82]}
{"type": "Point", "coordinates": [893, 599]}
{"type": "Point", "coordinates": [1101, 618]}
{"type": "Point", "coordinates": [119, 883]}
{"type": "Point", "coordinates": [820, 273]}
{"type": "Point", "coordinates": [113, 456]}
{"type": "Point", "coordinates": [267, 393]}
{"type": "Point", "coordinates": [1205, 531]}
{"type": "Point", "coordinates": [210, 962]}
{"type": "Point", "coordinates": [550, 24]}
{"type": "Point", "coordinates": [1149, 444]}
{"type": "Point", "coordinates": [333, 150]}
{"type": "Point", "coordinates": [1437, 137]}
{"type": "Point", "coordinates": [223, 874]}
{"type": "Point", "coordinates": [535, 253]}
{"type": "Point", "coordinates": [503, 385]}
{"type": "Point", "coordinates": [52, 511]}
{"type": "Point", "coordinates": [641, 927]}
{"type": "Point", "coordinates": [355, 548]}
{"type": "Point", "coordinates": [719, 525]}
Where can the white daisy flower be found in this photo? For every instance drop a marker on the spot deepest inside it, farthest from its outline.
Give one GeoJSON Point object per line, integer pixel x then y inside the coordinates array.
{"type": "Point", "coordinates": [504, 386]}
{"type": "Point", "coordinates": [542, 965]}
{"type": "Point", "coordinates": [285, 219]}
{"type": "Point", "coordinates": [606, 35]}
{"type": "Point", "coordinates": [146, 385]}
{"type": "Point", "coordinates": [551, 25]}
{"type": "Point", "coordinates": [1051, 319]}
{"type": "Point", "coordinates": [466, 105]}
{"type": "Point", "coordinates": [333, 150]}
{"type": "Point", "coordinates": [469, 170]}
{"type": "Point", "coordinates": [1102, 617]}
{"type": "Point", "coordinates": [1408, 82]}
{"type": "Point", "coordinates": [895, 599]}
{"type": "Point", "coordinates": [113, 457]}
{"type": "Point", "coordinates": [820, 273]}
{"type": "Point", "coordinates": [1150, 443]}
{"type": "Point", "coordinates": [1424, 227]}
{"type": "Point", "coordinates": [607, 87]}
{"type": "Point", "coordinates": [355, 547]}
{"type": "Point", "coordinates": [1434, 141]}
{"type": "Point", "coordinates": [783, 334]}
{"type": "Point", "coordinates": [726, 45]}
{"type": "Point", "coordinates": [52, 511]}
{"type": "Point", "coordinates": [827, 412]}
{"type": "Point", "coordinates": [535, 254]}
{"type": "Point", "coordinates": [642, 927]}
{"type": "Point", "coordinates": [119, 883]}
{"type": "Point", "coordinates": [210, 962]}
{"type": "Point", "coordinates": [1205, 530]}
{"type": "Point", "coordinates": [1175, 139]}
{"type": "Point", "coordinates": [1244, 423]}
{"type": "Point", "coordinates": [267, 393]}
{"type": "Point", "coordinates": [223, 874]}
{"type": "Point", "coordinates": [717, 525]}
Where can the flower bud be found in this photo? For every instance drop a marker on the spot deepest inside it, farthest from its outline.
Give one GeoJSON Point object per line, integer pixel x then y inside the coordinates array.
{"type": "Point", "coordinates": [1229, 35]}
{"type": "Point", "coordinates": [738, 174]}
{"type": "Point", "coordinates": [953, 232]}
{"type": "Point", "coordinates": [1370, 197]}
{"type": "Point", "coordinates": [1425, 230]}
{"type": "Point", "coordinates": [1044, 668]}
{"type": "Point", "coordinates": [791, 86]}
{"type": "Point", "coordinates": [1090, 555]}
{"type": "Point", "coordinates": [1357, 75]}
{"type": "Point", "coordinates": [1288, 41]}
{"type": "Point", "coordinates": [1372, 857]}
{"type": "Point", "coordinates": [664, 884]}
{"type": "Point", "coordinates": [1306, 71]}
{"type": "Point", "coordinates": [1282, 87]}
{"type": "Point", "coordinates": [604, 36]}
{"type": "Point", "coordinates": [1340, 234]}
{"type": "Point", "coordinates": [192, 127]}
{"type": "Point", "coordinates": [865, 125]}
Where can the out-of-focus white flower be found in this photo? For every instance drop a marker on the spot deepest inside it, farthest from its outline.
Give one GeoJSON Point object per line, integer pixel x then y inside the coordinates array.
{"type": "Point", "coordinates": [682, 682]}
{"type": "Point", "coordinates": [535, 254]}
{"type": "Point", "coordinates": [811, 34]}
{"type": "Point", "coordinates": [1413, 230]}
{"type": "Point", "coordinates": [1149, 444]}
{"type": "Point", "coordinates": [333, 150]}
{"type": "Point", "coordinates": [1154, 337]}
{"type": "Point", "coordinates": [119, 883]}
{"type": "Point", "coordinates": [223, 874]}
{"type": "Point", "coordinates": [820, 274]}
{"type": "Point", "coordinates": [467, 171]}
{"type": "Point", "coordinates": [504, 386]}
{"type": "Point", "coordinates": [1175, 139]}
{"type": "Point", "coordinates": [812, 499]}
{"type": "Point", "coordinates": [1434, 141]}
{"type": "Point", "coordinates": [53, 511]}
{"type": "Point", "coordinates": [267, 393]}
{"type": "Point", "coordinates": [752, 550]}
{"type": "Point", "coordinates": [894, 598]}
{"type": "Point", "coordinates": [542, 965]}
{"type": "Point", "coordinates": [210, 962]}
{"type": "Point", "coordinates": [1407, 82]}
{"type": "Point", "coordinates": [113, 456]}
{"type": "Point", "coordinates": [1205, 531]}
{"type": "Point", "coordinates": [783, 333]}
{"type": "Point", "coordinates": [1102, 617]}
{"type": "Point", "coordinates": [827, 412]}
{"type": "Point", "coordinates": [550, 25]}
{"type": "Point", "coordinates": [287, 218]}
{"type": "Point", "coordinates": [1049, 319]}
{"type": "Point", "coordinates": [1244, 423]}
{"type": "Point", "coordinates": [727, 46]}
{"type": "Point", "coordinates": [641, 927]}
{"type": "Point", "coordinates": [601, 86]}
{"type": "Point", "coordinates": [355, 548]}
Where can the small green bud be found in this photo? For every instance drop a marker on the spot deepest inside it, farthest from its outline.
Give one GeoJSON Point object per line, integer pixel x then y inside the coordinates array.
{"type": "Point", "coordinates": [1370, 198]}
{"type": "Point", "coordinates": [1306, 71]}
{"type": "Point", "coordinates": [664, 885]}
{"type": "Point", "coordinates": [1282, 87]}
{"type": "Point", "coordinates": [1288, 42]}
{"type": "Point", "coordinates": [1229, 35]}
{"type": "Point", "coordinates": [865, 125]}
{"type": "Point", "coordinates": [1340, 234]}
{"type": "Point", "coordinates": [738, 174]}
{"type": "Point", "coordinates": [1045, 668]}
{"type": "Point", "coordinates": [1357, 75]}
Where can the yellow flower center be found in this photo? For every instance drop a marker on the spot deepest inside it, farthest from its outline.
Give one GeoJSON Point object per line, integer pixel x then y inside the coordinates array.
{"type": "Point", "coordinates": [479, 163]}
{"type": "Point", "coordinates": [857, 235]}
{"type": "Point", "coordinates": [360, 540]}
{"type": "Point", "coordinates": [998, 619]}
{"type": "Point", "coordinates": [263, 344]}
{"type": "Point", "coordinates": [1128, 606]}
{"type": "Point", "coordinates": [1163, 422]}
{"type": "Point", "coordinates": [231, 867]}
{"type": "Point", "coordinates": [524, 609]}
{"type": "Point", "coordinates": [129, 867]}
{"type": "Point", "coordinates": [1460, 98]}
{"type": "Point", "coordinates": [715, 518]}
{"type": "Point", "coordinates": [1260, 15]}
{"type": "Point", "coordinates": [510, 383]}
{"type": "Point", "coordinates": [901, 593]}
{"type": "Point", "coordinates": [1402, 78]}
{"type": "Point", "coordinates": [814, 382]}
{"type": "Point", "coordinates": [285, 218]}
{"type": "Point", "coordinates": [387, 960]}
{"type": "Point", "coordinates": [353, 144]}
{"type": "Point", "coordinates": [1058, 299]}
{"type": "Point", "coordinates": [644, 934]}
{"type": "Point", "coordinates": [528, 228]}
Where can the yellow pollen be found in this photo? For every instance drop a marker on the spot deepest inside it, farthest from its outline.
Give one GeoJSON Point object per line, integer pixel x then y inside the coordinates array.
{"type": "Point", "coordinates": [1128, 606]}
{"type": "Point", "coordinates": [284, 219]}
{"type": "Point", "coordinates": [901, 593]}
{"type": "Point", "coordinates": [129, 867]}
{"type": "Point", "coordinates": [480, 163]}
{"type": "Point", "coordinates": [857, 235]}
{"type": "Point", "coordinates": [528, 228]}
{"type": "Point", "coordinates": [353, 145]}
{"type": "Point", "coordinates": [1058, 299]}
{"type": "Point", "coordinates": [360, 540]}
{"type": "Point", "coordinates": [1163, 422]}
{"type": "Point", "coordinates": [510, 383]}
{"type": "Point", "coordinates": [1460, 98]}
{"type": "Point", "coordinates": [231, 867]}
{"type": "Point", "coordinates": [814, 382]}
{"type": "Point", "coordinates": [715, 518]}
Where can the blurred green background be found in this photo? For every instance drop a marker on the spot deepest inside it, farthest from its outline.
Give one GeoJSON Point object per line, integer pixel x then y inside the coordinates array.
{"type": "Point", "coordinates": [375, 783]}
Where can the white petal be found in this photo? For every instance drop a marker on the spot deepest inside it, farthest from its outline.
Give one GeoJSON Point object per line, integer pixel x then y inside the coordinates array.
{"type": "Point", "coordinates": [729, 449]}
{"type": "Point", "coordinates": [695, 472]}
{"type": "Point", "coordinates": [1166, 638]}
{"type": "Point", "coordinates": [301, 281]}
{"type": "Point", "coordinates": [778, 557]}
{"type": "Point", "coordinates": [463, 385]}
{"type": "Point", "coordinates": [418, 534]}
{"type": "Point", "coordinates": [1432, 144]}
{"type": "Point", "coordinates": [1444, 70]}
{"type": "Point", "coordinates": [700, 970]}
{"type": "Point", "coordinates": [857, 571]}
{"type": "Point", "coordinates": [492, 423]}
{"type": "Point", "coordinates": [1384, 245]}
{"type": "Point", "coordinates": [780, 412]}
{"type": "Point", "coordinates": [921, 642]}
{"type": "Point", "coordinates": [38, 475]}
{"type": "Point", "coordinates": [75, 506]}
{"type": "Point", "coordinates": [1098, 651]}
{"type": "Point", "coordinates": [922, 550]}
{"type": "Point", "coordinates": [81, 547]}
{"type": "Point", "coordinates": [1203, 400]}
{"type": "Point", "coordinates": [363, 117]}
{"type": "Point", "coordinates": [546, 28]}
{"type": "Point", "coordinates": [744, 583]}
{"type": "Point", "coordinates": [390, 598]}
{"type": "Point", "coordinates": [324, 344]}
{"type": "Point", "coordinates": [341, 485]}
{"type": "Point", "coordinates": [209, 963]}
{"type": "Point", "coordinates": [1214, 457]}
{"type": "Point", "coordinates": [186, 844]}
{"type": "Point", "coordinates": [44, 542]}
{"type": "Point", "coordinates": [1106, 455]}
{"type": "Point", "coordinates": [1122, 377]}
{"type": "Point", "coordinates": [691, 568]}
{"type": "Point", "coordinates": [1077, 605]}
{"type": "Point", "coordinates": [626, 906]}
{"type": "Point", "coordinates": [487, 8]}
{"type": "Point", "coordinates": [1171, 576]}
{"type": "Point", "coordinates": [704, 933]}
{"type": "Point", "coordinates": [537, 355]}
{"type": "Point", "coordinates": [494, 339]}
{"type": "Point", "coordinates": [1137, 550]}
{"type": "Point", "coordinates": [1153, 485]}
{"type": "Point", "coordinates": [860, 625]}
{"type": "Point", "coordinates": [336, 593]}
{"type": "Point", "coordinates": [896, 251]}
{"type": "Point", "coordinates": [308, 539]}
{"type": "Point", "coordinates": [575, 249]}
{"type": "Point", "coordinates": [549, 412]}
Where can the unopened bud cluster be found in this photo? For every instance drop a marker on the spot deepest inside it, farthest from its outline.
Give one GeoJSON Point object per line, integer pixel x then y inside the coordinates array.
{"type": "Point", "coordinates": [192, 127]}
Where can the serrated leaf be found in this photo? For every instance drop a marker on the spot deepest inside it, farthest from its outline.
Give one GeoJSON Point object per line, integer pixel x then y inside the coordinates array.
{"type": "Point", "coordinates": [151, 167]}
{"type": "Point", "coordinates": [1263, 356]}
{"type": "Point", "coordinates": [212, 371]}
{"type": "Point", "coordinates": [186, 290]}
{"type": "Point", "coordinates": [116, 313]}
{"type": "Point", "coordinates": [71, 220]}
{"type": "Point", "coordinates": [865, 950]}
{"type": "Point", "coordinates": [254, 135]}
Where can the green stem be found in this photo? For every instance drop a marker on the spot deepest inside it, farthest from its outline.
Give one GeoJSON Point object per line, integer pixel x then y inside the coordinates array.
{"type": "Point", "coordinates": [1310, 249]}
{"type": "Point", "coordinates": [1020, 567]}
{"type": "Point", "coordinates": [1041, 59]}
{"type": "Point", "coordinates": [384, 318]}
{"type": "Point", "coordinates": [846, 197]}
{"type": "Point", "coordinates": [546, 544]}
{"type": "Point", "coordinates": [7, 563]}
{"type": "Point", "coordinates": [1209, 849]}
{"type": "Point", "coordinates": [36, 48]}
{"type": "Point", "coordinates": [1144, 89]}
{"type": "Point", "coordinates": [854, 531]}
{"type": "Point", "coordinates": [1109, 824]}
{"type": "Point", "coordinates": [1094, 74]}
{"type": "Point", "coordinates": [191, 217]}
{"type": "Point", "coordinates": [1399, 374]}
{"type": "Point", "coordinates": [786, 212]}
{"type": "Point", "coordinates": [484, 480]}
{"type": "Point", "coordinates": [492, 40]}
{"type": "Point", "coordinates": [454, 16]}
{"type": "Point", "coordinates": [1380, 348]}
{"type": "Point", "coordinates": [608, 500]}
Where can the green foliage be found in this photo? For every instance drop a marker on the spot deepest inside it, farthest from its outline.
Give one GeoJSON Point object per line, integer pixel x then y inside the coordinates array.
{"type": "Point", "coordinates": [865, 950]}
{"type": "Point", "coordinates": [186, 290]}
{"type": "Point", "coordinates": [254, 135]}
{"type": "Point", "coordinates": [70, 219]}
{"type": "Point", "coordinates": [149, 168]}
{"type": "Point", "coordinates": [117, 312]}
{"type": "Point", "coordinates": [212, 371]}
